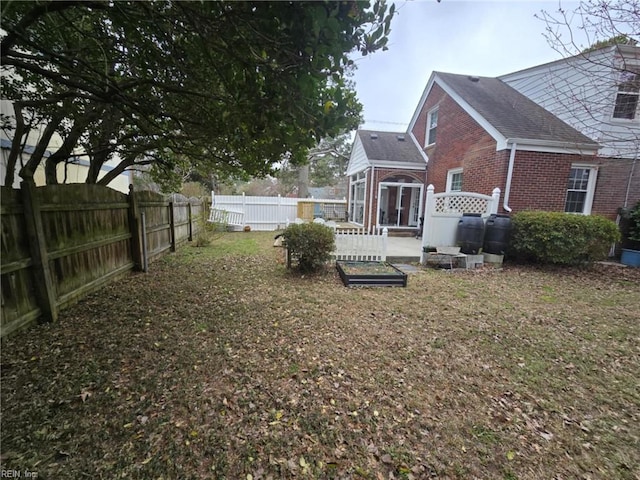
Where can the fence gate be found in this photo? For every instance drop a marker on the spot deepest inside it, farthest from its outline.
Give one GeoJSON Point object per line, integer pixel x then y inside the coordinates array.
{"type": "Point", "coordinates": [357, 245]}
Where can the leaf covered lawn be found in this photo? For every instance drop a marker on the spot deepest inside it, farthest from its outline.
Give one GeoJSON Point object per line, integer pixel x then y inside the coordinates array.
{"type": "Point", "coordinates": [219, 363]}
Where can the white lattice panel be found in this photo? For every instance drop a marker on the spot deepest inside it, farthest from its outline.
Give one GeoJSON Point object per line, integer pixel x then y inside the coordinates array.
{"type": "Point", "coordinates": [461, 204]}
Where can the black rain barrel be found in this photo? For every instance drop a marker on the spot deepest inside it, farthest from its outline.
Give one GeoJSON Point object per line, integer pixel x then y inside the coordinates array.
{"type": "Point", "coordinates": [497, 232]}
{"type": "Point", "coordinates": [470, 233]}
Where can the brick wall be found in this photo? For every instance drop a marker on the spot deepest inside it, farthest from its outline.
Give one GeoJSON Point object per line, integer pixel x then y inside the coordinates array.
{"type": "Point", "coordinates": [540, 180]}
{"type": "Point", "coordinates": [536, 172]}
{"type": "Point", "coordinates": [460, 142]}
{"type": "Point", "coordinates": [614, 175]}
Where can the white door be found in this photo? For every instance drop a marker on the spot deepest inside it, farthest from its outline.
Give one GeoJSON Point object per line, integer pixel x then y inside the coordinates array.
{"type": "Point", "coordinates": [414, 209]}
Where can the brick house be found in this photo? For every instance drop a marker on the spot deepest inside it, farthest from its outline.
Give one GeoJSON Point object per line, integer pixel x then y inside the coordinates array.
{"type": "Point", "coordinates": [518, 133]}
{"type": "Point", "coordinates": [563, 136]}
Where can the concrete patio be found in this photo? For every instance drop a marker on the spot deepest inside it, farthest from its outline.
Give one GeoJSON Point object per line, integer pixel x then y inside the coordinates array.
{"type": "Point", "coordinates": [404, 249]}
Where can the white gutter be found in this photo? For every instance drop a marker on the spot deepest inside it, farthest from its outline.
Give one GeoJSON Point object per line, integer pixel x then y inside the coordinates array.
{"type": "Point", "coordinates": [507, 187]}
{"type": "Point", "coordinates": [584, 148]}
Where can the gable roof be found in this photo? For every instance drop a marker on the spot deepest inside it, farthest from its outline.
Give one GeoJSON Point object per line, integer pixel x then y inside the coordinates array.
{"type": "Point", "coordinates": [397, 147]}
{"type": "Point", "coordinates": [506, 114]}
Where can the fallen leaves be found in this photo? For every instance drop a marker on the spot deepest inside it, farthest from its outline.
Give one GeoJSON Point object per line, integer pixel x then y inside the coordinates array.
{"type": "Point", "coordinates": [197, 371]}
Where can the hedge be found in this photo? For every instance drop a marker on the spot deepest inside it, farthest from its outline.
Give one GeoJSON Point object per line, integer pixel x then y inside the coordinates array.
{"type": "Point", "coordinates": [561, 238]}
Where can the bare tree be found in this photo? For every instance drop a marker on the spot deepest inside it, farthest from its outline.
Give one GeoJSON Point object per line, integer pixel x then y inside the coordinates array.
{"type": "Point", "coordinates": [602, 89]}
{"type": "Point", "coordinates": [596, 89]}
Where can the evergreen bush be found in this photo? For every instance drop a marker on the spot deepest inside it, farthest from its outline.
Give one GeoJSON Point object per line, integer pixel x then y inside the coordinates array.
{"type": "Point", "coordinates": [310, 244]}
{"type": "Point", "coordinates": [634, 224]}
{"type": "Point", "coordinates": [561, 238]}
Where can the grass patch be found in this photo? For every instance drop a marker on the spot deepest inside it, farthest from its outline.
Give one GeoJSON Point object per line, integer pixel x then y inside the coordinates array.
{"type": "Point", "coordinates": [221, 363]}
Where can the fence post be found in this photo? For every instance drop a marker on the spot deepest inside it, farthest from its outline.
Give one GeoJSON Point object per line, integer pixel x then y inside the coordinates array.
{"type": "Point", "coordinates": [427, 225]}
{"type": "Point", "coordinates": [279, 214]}
{"type": "Point", "coordinates": [44, 288]}
{"type": "Point", "coordinates": [385, 235]}
{"type": "Point", "coordinates": [172, 226]}
{"type": "Point", "coordinates": [495, 201]}
{"type": "Point", "coordinates": [134, 228]}
{"type": "Point", "coordinates": [190, 216]}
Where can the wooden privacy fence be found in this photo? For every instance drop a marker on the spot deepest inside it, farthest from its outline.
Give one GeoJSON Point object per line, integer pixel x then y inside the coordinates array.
{"type": "Point", "coordinates": [61, 242]}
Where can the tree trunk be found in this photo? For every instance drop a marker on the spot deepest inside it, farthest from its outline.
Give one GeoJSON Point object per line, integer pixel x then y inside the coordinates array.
{"type": "Point", "coordinates": [303, 181]}
{"type": "Point", "coordinates": [15, 146]}
{"type": "Point", "coordinates": [38, 154]}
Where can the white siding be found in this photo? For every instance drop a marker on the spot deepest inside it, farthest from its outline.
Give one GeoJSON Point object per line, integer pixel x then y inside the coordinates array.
{"type": "Point", "coordinates": [358, 160]}
{"type": "Point", "coordinates": [582, 91]}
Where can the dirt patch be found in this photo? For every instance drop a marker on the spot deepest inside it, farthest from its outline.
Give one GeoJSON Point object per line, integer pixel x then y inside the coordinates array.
{"type": "Point", "coordinates": [229, 366]}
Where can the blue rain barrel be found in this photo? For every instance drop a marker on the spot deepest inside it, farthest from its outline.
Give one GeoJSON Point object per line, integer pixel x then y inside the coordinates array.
{"type": "Point", "coordinates": [470, 234]}
{"type": "Point", "coordinates": [497, 233]}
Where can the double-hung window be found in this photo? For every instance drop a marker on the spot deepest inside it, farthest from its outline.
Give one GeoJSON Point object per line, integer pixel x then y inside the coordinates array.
{"type": "Point", "coordinates": [580, 189]}
{"type": "Point", "coordinates": [454, 180]}
{"type": "Point", "coordinates": [432, 124]}
{"type": "Point", "coordinates": [626, 106]}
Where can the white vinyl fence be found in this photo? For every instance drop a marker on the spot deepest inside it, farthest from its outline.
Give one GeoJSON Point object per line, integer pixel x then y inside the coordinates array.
{"type": "Point", "coordinates": [233, 218]}
{"type": "Point", "coordinates": [358, 245]}
{"type": "Point", "coordinates": [444, 210]}
{"type": "Point", "coordinates": [260, 213]}
{"type": "Point", "coordinates": [263, 213]}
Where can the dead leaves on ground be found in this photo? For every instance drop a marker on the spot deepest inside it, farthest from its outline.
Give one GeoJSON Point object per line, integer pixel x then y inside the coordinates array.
{"type": "Point", "coordinates": [233, 367]}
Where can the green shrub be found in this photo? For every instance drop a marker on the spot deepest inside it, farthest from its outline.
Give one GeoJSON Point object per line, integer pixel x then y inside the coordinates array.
{"type": "Point", "coordinates": [634, 223]}
{"type": "Point", "coordinates": [310, 244]}
{"type": "Point", "coordinates": [207, 233]}
{"type": "Point", "coordinates": [561, 238]}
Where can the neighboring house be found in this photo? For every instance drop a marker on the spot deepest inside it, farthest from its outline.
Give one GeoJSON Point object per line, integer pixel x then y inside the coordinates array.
{"type": "Point", "coordinates": [479, 133]}
{"type": "Point", "coordinates": [336, 192]}
{"type": "Point", "coordinates": [74, 171]}
{"type": "Point", "coordinates": [596, 93]}
{"type": "Point", "coordinates": [387, 181]}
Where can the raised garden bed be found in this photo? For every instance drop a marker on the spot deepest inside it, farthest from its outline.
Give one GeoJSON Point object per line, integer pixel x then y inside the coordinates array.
{"type": "Point", "coordinates": [374, 274]}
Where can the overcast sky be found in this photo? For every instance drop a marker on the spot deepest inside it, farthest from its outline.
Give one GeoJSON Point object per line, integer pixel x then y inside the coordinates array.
{"type": "Point", "coordinates": [485, 38]}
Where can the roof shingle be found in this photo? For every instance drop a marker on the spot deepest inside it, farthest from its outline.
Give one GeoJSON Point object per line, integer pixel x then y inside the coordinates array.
{"type": "Point", "coordinates": [390, 147]}
{"type": "Point", "coordinates": [510, 112]}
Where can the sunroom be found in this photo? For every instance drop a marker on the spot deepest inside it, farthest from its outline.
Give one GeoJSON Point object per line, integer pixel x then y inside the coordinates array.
{"type": "Point", "coordinates": [387, 177]}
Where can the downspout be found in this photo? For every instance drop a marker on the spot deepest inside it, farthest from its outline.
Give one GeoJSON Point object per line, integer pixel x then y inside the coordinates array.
{"type": "Point", "coordinates": [631, 173]}
{"type": "Point", "coordinates": [373, 171]}
{"type": "Point", "coordinates": [507, 187]}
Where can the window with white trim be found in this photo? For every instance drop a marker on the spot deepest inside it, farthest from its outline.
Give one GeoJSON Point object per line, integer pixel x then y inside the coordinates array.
{"type": "Point", "coordinates": [580, 189]}
{"type": "Point", "coordinates": [454, 180]}
{"type": "Point", "coordinates": [432, 124]}
{"type": "Point", "coordinates": [626, 106]}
